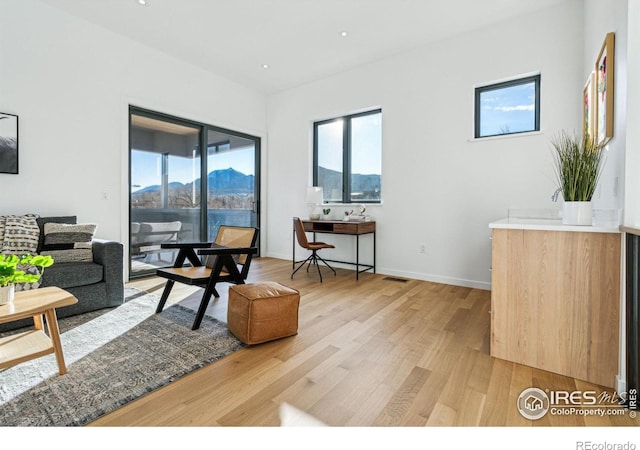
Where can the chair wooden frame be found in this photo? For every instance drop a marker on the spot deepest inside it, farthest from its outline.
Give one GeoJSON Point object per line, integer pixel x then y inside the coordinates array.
{"type": "Point", "coordinates": [198, 274]}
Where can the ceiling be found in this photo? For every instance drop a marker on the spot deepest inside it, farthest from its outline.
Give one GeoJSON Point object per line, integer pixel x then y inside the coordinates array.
{"type": "Point", "coordinates": [299, 40]}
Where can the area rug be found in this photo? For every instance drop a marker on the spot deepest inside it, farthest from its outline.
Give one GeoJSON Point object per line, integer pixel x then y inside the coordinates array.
{"type": "Point", "coordinates": [112, 358]}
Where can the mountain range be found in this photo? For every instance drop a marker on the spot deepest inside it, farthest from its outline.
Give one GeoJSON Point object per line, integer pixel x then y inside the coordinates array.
{"type": "Point", "coordinates": [365, 185]}
{"type": "Point", "coordinates": [230, 181]}
{"type": "Point", "coordinates": [225, 181]}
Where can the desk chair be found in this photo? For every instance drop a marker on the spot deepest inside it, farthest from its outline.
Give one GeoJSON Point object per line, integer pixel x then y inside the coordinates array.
{"type": "Point", "coordinates": [232, 248]}
{"type": "Point", "coordinates": [312, 246]}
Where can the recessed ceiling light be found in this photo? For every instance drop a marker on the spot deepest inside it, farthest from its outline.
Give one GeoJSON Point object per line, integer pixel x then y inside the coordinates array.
{"type": "Point", "coordinates": [344, 34]}
{"type": "Point", "coordinates": [142, 2]}
{"type": "Point", "coordinates": [265, 66]}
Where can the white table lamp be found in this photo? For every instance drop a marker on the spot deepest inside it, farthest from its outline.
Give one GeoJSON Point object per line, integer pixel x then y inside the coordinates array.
{"type": "Point", "coordinates": [315, 197]}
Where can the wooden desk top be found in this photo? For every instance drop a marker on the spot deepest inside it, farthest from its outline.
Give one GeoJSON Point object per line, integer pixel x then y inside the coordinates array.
{"type": "Point", "coordinates": [35, 301]}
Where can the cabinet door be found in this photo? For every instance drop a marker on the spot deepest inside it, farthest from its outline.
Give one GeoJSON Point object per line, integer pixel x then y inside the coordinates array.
{"type": "Point", "coordinates": [556, 301]}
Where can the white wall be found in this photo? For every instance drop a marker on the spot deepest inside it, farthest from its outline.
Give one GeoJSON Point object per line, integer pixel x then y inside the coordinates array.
{"type": "Point", "coordinates": [600, 18]}
{"type": "Point", "coordinates": [70, 83]}
{"type": "Point", "coordinates": [438, 188]}
{"type": "Point", "coordinates": [632, 161]}
{"type": "Point", "coordinates": [619, 184]}
{"type": "Point", "coordinates": [632, 154]}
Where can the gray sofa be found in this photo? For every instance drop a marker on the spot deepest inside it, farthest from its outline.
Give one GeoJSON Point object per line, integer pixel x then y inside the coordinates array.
{"type": "Point", "coordinates": [97, 285]}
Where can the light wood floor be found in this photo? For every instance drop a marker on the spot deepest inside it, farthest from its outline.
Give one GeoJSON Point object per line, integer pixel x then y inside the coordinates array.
{"type": "Point", "coordinates": [374, 352]}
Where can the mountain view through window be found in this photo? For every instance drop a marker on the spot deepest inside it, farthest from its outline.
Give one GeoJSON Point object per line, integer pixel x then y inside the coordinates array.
{"type": "Point", "coordinates": [348, 158]}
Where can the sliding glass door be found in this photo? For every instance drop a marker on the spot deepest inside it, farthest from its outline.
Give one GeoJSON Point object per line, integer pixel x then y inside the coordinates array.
{"type": "Point", "coordinates": [169, 177]}
{"type": "Point", "coordinates": [232, 165]}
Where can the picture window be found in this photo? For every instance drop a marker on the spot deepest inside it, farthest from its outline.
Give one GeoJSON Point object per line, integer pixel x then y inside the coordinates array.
{"type": "Point", "coordinates": [508, 107]}
{"type": "Point", "coordinates": [347, 157]}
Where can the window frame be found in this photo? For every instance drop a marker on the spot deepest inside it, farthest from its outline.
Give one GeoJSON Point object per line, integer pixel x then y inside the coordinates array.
{"type": "Point", "coordinates": [517, 81]}
{"type": "Point", "coordinates": [204, 129]}
{"type": "Point", "coordinates": [346, 155]}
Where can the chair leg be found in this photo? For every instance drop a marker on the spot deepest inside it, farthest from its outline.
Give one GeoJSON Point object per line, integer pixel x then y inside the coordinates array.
{"type": "Point", "coordinates": [165, 295]}
{"type": "Point", "coordinates": [315, 260]}
{"type": "Point", "coordinates": [206, 296]}
{"type": "Point", "coordinates": [300, 266]}
{"type": "Point", "coordinates": [326, 264]}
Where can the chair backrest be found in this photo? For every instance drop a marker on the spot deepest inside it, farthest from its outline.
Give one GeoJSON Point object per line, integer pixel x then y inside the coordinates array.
{"type": "Point", "coordinates": [232, 236]}
{"type": "Point", "coordinates": [300, 233]}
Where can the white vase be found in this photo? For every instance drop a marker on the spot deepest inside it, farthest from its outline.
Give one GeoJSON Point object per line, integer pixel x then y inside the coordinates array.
{"type": "Point", "coordinates": [6, 294]}
{"type": "Point", "coordinates": [576, 213]}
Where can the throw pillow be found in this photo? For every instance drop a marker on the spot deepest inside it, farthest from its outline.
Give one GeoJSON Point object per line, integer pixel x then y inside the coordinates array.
{"type": "Point", "coordinates": [3, 220]}
{"type": "Point", "coordinates": [32, 270]}
{"type": "Point", "coordinates": [42, 220]}
{"type": "Point", "coordinates": [68, 242]}
{"type": "Point", "coordinates": [20, 234]}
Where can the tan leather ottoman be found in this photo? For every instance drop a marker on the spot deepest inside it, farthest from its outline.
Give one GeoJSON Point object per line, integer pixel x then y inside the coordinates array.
{"type": "Point", "coordinates": [261, 312]}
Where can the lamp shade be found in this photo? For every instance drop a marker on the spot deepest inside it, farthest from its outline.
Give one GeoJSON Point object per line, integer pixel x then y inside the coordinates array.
{"type": "Point", "coordinates": [315, 195]}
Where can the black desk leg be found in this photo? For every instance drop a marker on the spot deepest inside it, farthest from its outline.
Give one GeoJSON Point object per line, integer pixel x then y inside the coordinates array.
{"type": "Point", "coordinates": [357, 256]}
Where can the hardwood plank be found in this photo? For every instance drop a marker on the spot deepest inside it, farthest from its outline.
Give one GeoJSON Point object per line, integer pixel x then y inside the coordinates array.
{"type": "Point", "coordinates": [369, 352]}
{"type": "Point", "coordinates": [398, 406]}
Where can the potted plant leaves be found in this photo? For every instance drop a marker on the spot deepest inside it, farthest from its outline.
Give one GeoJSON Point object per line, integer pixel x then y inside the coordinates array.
{"type": "Point", "coordinates": [578, 166]}
{"type": "Point", "coordinates": [25, 270]}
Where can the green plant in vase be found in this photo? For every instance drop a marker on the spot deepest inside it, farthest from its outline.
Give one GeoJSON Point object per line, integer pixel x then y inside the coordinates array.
{"type": "Point", "coordinates": [578, 165]}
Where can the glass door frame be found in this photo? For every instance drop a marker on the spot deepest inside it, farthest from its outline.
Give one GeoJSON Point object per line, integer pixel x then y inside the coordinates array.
{"type": "Point", "coordinates": [204, 170]}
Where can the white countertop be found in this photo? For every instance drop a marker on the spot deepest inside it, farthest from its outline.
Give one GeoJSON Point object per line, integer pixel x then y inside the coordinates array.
{"type": "Point", "coordinates": [552, 225]}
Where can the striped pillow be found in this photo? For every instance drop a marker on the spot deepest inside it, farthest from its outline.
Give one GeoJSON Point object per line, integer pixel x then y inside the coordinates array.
{"type": "Point", "coordinates": [68, 242]}
{"type": "Point", "coordinates": [20, 234]}
{"type": "Point", "coordinates": [58, 219]}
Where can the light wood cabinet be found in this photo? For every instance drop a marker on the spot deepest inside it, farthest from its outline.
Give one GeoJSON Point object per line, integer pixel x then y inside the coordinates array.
{"type": "Point", "coordinates": [555, 301]}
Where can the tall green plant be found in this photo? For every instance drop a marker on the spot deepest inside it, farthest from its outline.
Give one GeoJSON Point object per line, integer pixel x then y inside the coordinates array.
{"type": "Point", "coordinates": [578, 165]}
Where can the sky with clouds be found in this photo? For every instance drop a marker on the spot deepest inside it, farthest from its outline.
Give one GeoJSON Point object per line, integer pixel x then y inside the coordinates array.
{"type": "Point", "coordinates": [507, 110]}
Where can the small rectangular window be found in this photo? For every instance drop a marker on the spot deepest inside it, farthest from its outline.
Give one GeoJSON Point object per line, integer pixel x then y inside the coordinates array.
{"type": "Point", "coordinates": [347, 156]}
{"type": "Point", "coordinates": [509, 107]}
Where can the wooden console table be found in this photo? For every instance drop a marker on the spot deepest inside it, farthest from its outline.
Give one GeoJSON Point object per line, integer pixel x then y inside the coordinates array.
{"type": "Point", "coordinates": [351, 228]}
{"type": "Point", "coordinates": [20, 347]}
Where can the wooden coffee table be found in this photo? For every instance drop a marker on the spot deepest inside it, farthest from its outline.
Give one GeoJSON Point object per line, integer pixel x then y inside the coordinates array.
{"type": "Point", "coordinates": [35, 343]}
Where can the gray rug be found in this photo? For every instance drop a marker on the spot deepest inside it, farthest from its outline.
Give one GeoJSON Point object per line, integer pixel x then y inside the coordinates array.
{"type": "Point", "coordinates": [112, 358]}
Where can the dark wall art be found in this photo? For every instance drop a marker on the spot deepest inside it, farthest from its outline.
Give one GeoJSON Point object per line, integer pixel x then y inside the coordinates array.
{"type": "Point", "coordinates": [8, 143]}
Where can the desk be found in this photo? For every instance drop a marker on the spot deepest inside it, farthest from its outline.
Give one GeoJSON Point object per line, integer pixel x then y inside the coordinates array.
{"type": "Point", "coordinates": [351, 228]}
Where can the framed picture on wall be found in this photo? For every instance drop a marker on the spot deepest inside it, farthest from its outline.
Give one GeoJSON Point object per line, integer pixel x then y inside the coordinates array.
{"type": "Point", "coordinates": [604, 90]}
{"type": "Point", "coordinates": [588, 107]}
{"type": "Point", "coordinates": [8, 143]}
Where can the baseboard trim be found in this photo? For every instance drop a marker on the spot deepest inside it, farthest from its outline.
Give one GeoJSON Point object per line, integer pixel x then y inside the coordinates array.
{"type": "Point", "coordinates": [436, 279]}
{"type": "Point", "coordinates": [486, 286]}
